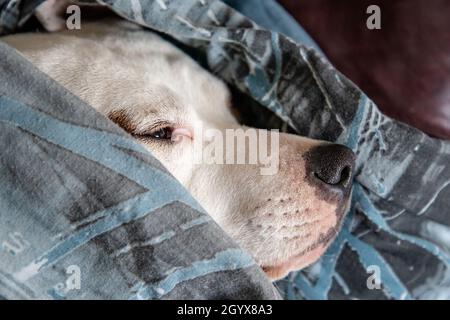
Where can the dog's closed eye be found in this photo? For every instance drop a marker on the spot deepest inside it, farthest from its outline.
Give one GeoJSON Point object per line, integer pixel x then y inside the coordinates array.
{"type": "Point", "coordinates": [166, 133]}
{"type": "Point", "coordinates": [159, 131]}
{"type": "Point", "coordinates": [162, 134]}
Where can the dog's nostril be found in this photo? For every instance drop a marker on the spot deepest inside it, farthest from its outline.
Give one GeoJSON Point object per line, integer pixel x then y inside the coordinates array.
{"type": "Point", "coordinates": [346, 174]}
{"type": "Point", "coordinates": [334, 177]}
{"type": "Point", "coordinates": [332, 164]}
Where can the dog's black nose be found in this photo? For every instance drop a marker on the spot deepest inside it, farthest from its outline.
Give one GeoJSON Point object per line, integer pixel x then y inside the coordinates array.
{"type": "Point", "coordinates": [332, 164]}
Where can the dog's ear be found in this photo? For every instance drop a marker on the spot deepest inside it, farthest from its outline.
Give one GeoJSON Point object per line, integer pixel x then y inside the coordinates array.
{"type": "Point", "coordinates": [52, 14]}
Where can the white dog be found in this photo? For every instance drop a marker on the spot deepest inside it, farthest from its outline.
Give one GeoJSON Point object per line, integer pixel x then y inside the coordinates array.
{"type": "Point", "coordinates": [161, 97]}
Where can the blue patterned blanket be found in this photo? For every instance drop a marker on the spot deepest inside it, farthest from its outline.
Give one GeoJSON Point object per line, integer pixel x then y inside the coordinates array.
{"type": "Point", "coordinates": [394, 243]}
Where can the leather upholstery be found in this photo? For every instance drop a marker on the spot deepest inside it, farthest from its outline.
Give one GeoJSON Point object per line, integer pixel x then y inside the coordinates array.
{"type": "Point", "coordinates": [404, 67]}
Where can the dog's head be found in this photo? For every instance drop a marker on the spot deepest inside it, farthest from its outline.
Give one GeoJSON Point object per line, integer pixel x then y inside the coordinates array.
{"type": "Point", "coordinates": [165, 100]}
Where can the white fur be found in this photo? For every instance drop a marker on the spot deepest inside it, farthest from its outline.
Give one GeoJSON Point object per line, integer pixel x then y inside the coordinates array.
{"type": "Point", "coordinates": [115, 65]}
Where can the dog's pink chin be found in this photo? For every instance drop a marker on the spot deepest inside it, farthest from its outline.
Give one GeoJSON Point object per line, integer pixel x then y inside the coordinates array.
{"type": "Point", "coordinates": [297, 262]}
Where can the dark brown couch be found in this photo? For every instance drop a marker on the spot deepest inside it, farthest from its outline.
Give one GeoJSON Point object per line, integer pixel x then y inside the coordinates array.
{"type": "Point", "coordinates": [404, 67]}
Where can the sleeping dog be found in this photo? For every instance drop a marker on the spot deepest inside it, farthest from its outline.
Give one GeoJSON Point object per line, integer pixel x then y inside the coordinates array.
{"type": "Point", "coordinates": [160, 96]}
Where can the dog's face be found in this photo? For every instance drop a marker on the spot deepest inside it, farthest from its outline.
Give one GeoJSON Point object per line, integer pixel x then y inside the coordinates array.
{"type": "Point", "coordinates": [162, 98]}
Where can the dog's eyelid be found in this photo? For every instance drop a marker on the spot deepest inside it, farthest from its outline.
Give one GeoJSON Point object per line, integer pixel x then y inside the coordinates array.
{"type": "Point", "coordinates": [164, 131]}
{"type": "Point", "coordinates": [144, 129]}
{"type": "Point", "coordinates": [160, 125]}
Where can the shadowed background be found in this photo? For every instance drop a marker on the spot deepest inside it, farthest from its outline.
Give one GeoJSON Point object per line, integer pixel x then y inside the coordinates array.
{"type": "Point", "coordinates": [404, 67]}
